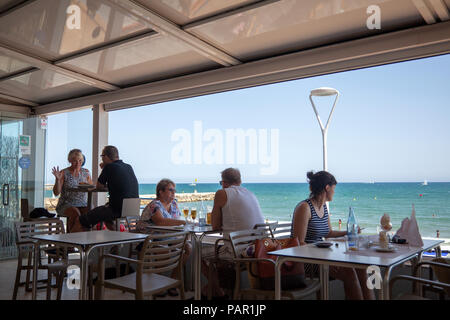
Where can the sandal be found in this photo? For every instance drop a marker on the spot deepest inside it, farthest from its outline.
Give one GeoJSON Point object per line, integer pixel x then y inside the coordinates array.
{"type": "Point", "coordinates": [172, 292]}
{"type": "Point", "coordinates": [161, 295]}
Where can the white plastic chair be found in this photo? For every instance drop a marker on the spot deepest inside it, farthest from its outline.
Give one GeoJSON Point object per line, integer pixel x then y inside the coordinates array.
{"type": "Point", "coordinates": [130, 208]}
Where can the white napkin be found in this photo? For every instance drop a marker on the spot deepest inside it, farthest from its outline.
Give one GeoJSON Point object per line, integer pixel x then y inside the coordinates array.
{"type": "Point", "coordinates": [409, 230]}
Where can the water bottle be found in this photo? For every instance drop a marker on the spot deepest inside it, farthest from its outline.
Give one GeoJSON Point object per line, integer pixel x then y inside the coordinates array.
{"type": "Point", "coordinates": [352, 231]}
{"type": "Point", "coordinates": [202, 216]}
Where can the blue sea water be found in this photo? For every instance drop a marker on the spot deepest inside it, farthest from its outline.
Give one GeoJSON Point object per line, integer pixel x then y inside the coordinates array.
{"type": "Point", "coordinates": [370, 202]}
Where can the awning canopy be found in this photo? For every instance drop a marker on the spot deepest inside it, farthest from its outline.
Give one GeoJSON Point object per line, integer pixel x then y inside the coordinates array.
{"type": "Point", "coordinates": [60, 55]}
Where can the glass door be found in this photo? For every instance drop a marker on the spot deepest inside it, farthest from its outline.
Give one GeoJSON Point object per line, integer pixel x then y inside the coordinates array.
{"type": "Point", "coordinates": [9, 184]}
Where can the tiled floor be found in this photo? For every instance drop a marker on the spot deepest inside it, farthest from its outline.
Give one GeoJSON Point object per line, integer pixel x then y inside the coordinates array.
{"type": "Point", "coordinates": [8, 274]}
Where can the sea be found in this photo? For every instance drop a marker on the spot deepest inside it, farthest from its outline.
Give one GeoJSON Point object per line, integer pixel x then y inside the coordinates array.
{"type": "Point", "coordinates": [369, 201]}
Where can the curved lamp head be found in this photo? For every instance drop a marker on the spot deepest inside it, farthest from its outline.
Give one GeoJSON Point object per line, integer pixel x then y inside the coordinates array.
{"type": "Point", "coordinates": [324, 91]}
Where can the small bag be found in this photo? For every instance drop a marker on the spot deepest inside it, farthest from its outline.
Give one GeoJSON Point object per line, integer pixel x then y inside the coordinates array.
{"type": "Point", "coordinates": [292, 273]}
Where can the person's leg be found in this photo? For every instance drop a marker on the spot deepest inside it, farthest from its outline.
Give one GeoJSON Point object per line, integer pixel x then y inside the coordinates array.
{"type": "Point", "coordinates": [352, 287]}
{"type": "Point", "coordinates": [73, 220]}
{"type": "Point", "coordinates": [362, 277]}
{"type": "Point", "coordinates": [96, 215]}
{"type": "Point", "coordinates": [213, 279]}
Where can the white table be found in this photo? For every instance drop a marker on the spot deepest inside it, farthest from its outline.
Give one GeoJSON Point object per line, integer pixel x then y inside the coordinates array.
{"type": "Point", "coordinates": [85, 242]}
{"type": "Point", "coordinates": [197, 234]}
{"type": "Point", "coordinates": [337, 256]}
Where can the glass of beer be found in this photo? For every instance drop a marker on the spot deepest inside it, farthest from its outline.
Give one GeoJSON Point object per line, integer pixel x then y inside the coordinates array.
{"type": "Point", "coordinates": [193, 213]}
{"type": "Point", "coordinates": [208, 215]}
{"type": "Point", "coordinates": [186, 213]}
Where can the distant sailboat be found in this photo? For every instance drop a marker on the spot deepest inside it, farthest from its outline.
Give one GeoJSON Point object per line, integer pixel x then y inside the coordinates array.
{"type": "Point", "coordinates": [425, 183]}
{"type": "Point", "coordinates": [194, 185]}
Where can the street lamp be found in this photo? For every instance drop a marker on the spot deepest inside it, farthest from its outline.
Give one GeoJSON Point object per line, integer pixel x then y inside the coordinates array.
{"type": "Point", "coordinates": [324, 92]}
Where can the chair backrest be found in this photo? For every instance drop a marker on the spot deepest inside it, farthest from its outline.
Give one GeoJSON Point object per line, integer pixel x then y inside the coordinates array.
{"type": "Point", "coordinates": [25, 230]}
{"type": "Point", "coordinates": [162, 252]}
{"type": "Point", "coordinates": [240, 240]}
{"type": "Point", "coordinates": [442, 272]}
{"type": "Point", "coordinates": [268, 227]}
{"type": "Point", "coordinates": [282, 230]}
{"type": "Point", "coordinates": [131, 207]}
{"type": "Point", "coordinates": [24, 209]}
{"type": "Point", "coordinates": [132, 223]}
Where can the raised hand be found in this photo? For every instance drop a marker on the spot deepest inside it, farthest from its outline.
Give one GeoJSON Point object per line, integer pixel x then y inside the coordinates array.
{"type": "Point", "coordinates": [58, 174]}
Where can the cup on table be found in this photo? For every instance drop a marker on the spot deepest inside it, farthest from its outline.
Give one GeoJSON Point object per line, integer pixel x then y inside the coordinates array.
{"type": "Point", "coordinates": [186, 213]}
{"type": "Point", "coordinates": [351, 244]}
{"type": "Point", "coordinates": [193, 213]}
{"type": "Point", "coordinates": [363, 242]}
{"type": "Point", "coordinates": [208, 215]}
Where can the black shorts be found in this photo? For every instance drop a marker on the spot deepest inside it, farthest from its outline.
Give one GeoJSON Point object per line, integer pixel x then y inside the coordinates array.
{"type": "Point", "coordinates": [99, 214]}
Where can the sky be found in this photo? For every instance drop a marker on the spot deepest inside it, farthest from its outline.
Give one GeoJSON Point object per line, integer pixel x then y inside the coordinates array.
{"type": "Point", "coordinates": [390, 124]}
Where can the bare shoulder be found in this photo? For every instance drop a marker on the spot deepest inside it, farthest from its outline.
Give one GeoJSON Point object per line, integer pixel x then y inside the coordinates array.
{"type": "Point", "coordinates": [220, 198]}
{"type": "Point", "coordinates": [303, 209]}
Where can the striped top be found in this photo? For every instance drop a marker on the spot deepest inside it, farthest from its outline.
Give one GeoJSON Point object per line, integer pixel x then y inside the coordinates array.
{"type": "Point", "coordinates": [317, 227]}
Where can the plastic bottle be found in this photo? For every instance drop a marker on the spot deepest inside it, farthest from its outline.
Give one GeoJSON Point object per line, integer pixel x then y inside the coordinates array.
{"type": "Point", "coordinates": [352, 230]}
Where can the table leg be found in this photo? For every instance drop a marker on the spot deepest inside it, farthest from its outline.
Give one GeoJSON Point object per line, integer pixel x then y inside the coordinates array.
{"type": "Point", "coordinates": [278, 265]}
{"type": "Point", "coordinates": [324, 281]}
{"type": "Point", "coordinates": [384, 292]}
{"type": "Point", "coordinates": [35, 269]}
{"type": "Point", "coordinates": [193, 259]}
{"type": "Point", "coordinates": [84, 257]}
{"type": "Point", "coordinates": [438, 251]}
{"type": "Point", "coordinates": [100, 289]}
{"type": "Point", "coordinates": [198, 267]}
{"type": "Point", "coordinates": [419, 274]}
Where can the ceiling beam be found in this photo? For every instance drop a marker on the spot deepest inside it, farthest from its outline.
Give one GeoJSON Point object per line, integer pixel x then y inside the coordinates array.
{"type": "Point", "coordinates": [44, 64]}
{"type": "Point", "coordinates": [441, 9]}
{"type": "Point", "coordinates": [112, 44]}
{"type": "Point", "coordinates": [426, 13]}
{"type": "Point", "coordinates": [381, 49]}
{"type": "Point", "coordinates": [14, 109]}
{"type": "Point", "coordinates": [17, 74]}
{"type": "Point", "coordinates": [165, 26]}
{"type": "Point", "coordinates": [15, 6]}
{"type": "Point", "coordinates": [18, 100]}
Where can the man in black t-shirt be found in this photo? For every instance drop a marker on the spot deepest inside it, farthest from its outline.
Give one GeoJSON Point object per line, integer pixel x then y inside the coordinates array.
{"type": "Point", "coordinates": [121, 182]}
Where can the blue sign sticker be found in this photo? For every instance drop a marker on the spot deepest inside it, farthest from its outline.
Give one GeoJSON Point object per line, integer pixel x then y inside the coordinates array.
{"type": "Point", "coordinates": [24, 162]}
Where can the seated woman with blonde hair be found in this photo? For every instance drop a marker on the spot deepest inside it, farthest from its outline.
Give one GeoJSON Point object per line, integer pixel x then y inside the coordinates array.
{"type": "Point", "coordinates": [311, 222]}
{"type": "Point", "coordinates": [71, 177]}
{"type": "Point", "coordinates": [163, 211]}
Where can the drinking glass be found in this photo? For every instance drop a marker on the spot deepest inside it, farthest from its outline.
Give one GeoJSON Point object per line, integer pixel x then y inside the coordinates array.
{"type": "Point", "coordinates": [353, 247]}
{"type": "Point", "coordinates": [193, 213]}
{"type": "Point", "coordinates": [363, 242]}
{"type": "Point", "coordinates": [208, 215]}
{"type": "Point", "coordinates": [186, 213]}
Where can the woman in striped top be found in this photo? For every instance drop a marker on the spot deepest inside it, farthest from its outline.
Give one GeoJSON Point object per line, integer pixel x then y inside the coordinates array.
{"type": "Point", "coordinates": [311, 222]}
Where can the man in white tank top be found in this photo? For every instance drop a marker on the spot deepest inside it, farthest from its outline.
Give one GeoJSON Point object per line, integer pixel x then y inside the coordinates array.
{"type": "Point", "coordinates": [235, 207]}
